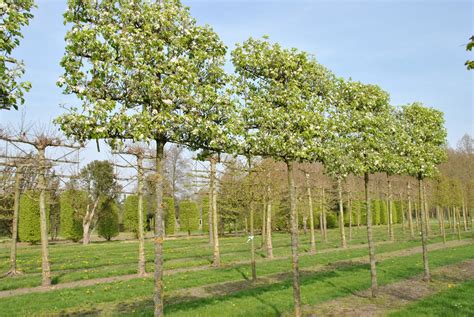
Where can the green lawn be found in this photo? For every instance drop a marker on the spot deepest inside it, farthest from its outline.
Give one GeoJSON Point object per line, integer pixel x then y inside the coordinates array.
{"type": "Point", "coordinates": [456, 301]}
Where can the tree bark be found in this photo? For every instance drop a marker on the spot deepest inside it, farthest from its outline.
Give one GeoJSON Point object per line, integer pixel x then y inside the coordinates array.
{"type": "Point", "coordinates": [458, 222]}
{"type": "Point", "coordinates": [349, 207]}
{"type": "Point", "coordinates": [426, 212]}
{"type": "Point", "coordinates": [269, 225]}
{"type": "Point", "coordinates": [141, 238]}
{"type": "Point", "coordinates": [294, 241]}
{"type": "Point", "coordinates": [209, 214]}
{"type": "Point", "coordinates": [341, 214]}
{"type": "Point", "coordinates": [323, 212]}
{"type": "Point", "coordinates": [264, 225]}
{"type": "Point", "coordinates": [311, 215]}
{"type": "Point", "coordinates": [410, 212]}
{"type": "Point", "coordinates": [87, 221]}
{"type": "Point", "coordinates": [402, 212]}
{"type": "Point", "coordinates": [16, 208]}
{"type": "Point", "coordinates": [158, 232]}
{"type": "Point", "coordinates": [252, 243]}
{"type": "Point", "coordinates": [215, 234]}
{"type": "Point", "coordinates": [464, 215]}
{"type": "Point", "coordinates": [46, 271]}
{"type": "Point", "coordinates": [389, 209]}
{"type": "Point", "coordinates": [373, 269]}
{"type": "Point", "coordinates": [424, 242]}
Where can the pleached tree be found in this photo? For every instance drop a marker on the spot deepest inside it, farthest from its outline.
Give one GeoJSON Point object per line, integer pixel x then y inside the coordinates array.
{"type": "Point", "coordinates": [424, 146]}
{"type": "Point", "coordinates": [280, 93]}
{"type": "Point", "coordinates": [144, 70]}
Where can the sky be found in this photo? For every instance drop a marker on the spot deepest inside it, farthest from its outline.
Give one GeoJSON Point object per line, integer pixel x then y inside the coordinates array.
{"type": "Point", "coordinates": [415, 50]}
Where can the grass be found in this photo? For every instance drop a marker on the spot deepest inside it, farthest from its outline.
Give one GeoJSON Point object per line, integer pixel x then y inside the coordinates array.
{"type": "Point", "coordinates": [455, 301]}
{"type": "Point", "coordinates": [133, 297]}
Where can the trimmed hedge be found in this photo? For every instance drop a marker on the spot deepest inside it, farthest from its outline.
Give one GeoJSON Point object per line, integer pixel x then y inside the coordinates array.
{"type": "Point", "coordinates": [189, 213]}
{"type": "Point", "coordinates": [72, 204]}
{"type": "Point", "coordinates": [29, 217]}
{"type": "Point", "coordinates": [108, 223]}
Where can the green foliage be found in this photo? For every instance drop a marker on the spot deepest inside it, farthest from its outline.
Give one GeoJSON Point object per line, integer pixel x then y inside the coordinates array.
{"type": "Point", "coordinates": [331, 219]}
{"type": "Point", "coordinates": [204, 205]}
{"type": "Point", "coordinates": [170, 217]}
{"type": "Point", "coordinates": [99, 180]}
{"type": "Point", "coordinates": [72, 204]}
{"type": "Point", "coordinates": [108, 224]}
{"type": "Point", "coordinates": [14, 15]}
{"type": "Point", "coordinates": [189, 214]}
{"type": "Point", "coordinates": [424, 140]}
{"type": "Point", "coordinates": [29, 217]}
{"type": "Point", "coordinates": [130, 216]}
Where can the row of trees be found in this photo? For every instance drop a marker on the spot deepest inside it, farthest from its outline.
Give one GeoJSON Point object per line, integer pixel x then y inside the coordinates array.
{"type": "Point", "coordinates": [145, 71]}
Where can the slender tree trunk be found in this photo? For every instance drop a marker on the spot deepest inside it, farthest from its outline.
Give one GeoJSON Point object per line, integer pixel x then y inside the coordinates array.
{"type": "Point", "coordinates": [464, 215]}
{"type": "Point", "coordinates": [410, 213]}
{"type": "Point", "coordinates": [311, 215]}
{"type": "Point", "coordinates": [373, 269]}
{"type": "Point", "coordinates": [349, 207]}
{"type": "Point", "coordinates": [402, 212]}
{"type": "Point", "coordinates": [449, 218]}
{"type": "Point", "coordinates": [264, 225]}
{"type": "Point", "coordinates": [417, 216]}
{"type": "Point", "coordinates": [16, 208]}
{"type": "Point", "coordinates": [443, 225]}
{"type": "Point", "coordinates": [341, 214]}
{"type": "Point", "coordinates": [389, 209]}
{"type": "Point", "coordinates": [158, 232]}
{"type": "Point", "coordinates": [458, 222]}
{"type": "Point", "coordinates": [294, 241]}
{"type": "Point", "coordinates": [426, 212]}
{"type": "Point", "coordinates": [424, 242]}
{"type": "Point", "coordinates": [46, 271]}
{"type": "Point", "coordinates": [358, 218]}
{"type": "Point", "coordinates": [269, 225]}
{"type": "Point", "coordinates": [252, 243]}
{"type": "Point", "coordinates": [217, 257]}
{"type": "Point", "coordinates": [209, 214]}
{"type": "Point", "coordinates": [323, 211]}
{"type": "Point", "coordinates": [438, 217]}
{"type": "Point", "coordinates": [141, 236]}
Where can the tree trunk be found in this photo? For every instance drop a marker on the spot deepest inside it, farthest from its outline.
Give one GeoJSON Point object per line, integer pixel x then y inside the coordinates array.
{"type": "Point", "coordinates": [158, 232]}
{"type": "Point", "coordinates": [349, 207]}
{"type": "Point", "coordinates": [424, 242]}
{"type": "Point", "coordinates": [252, 243]}
{"type": "Point", "coordinates": [269, 225]}
{"type": "Point", "coordinates": [438, 217]}
{"type": "Point", "coordinates": [264, 225]}
{"type": "Point", "coordinates": [410, 212]}
{"type": "Point", "coordinates": [458, 222]}
{"type": "Point", "coordinates": [464, 215]}
{"type": "Point", "coordinates": [217, 256]}
{"type": "Point", "coordinates": [426, 213]}
{"type": "Point", "coordinates": [16, 207]}
{"type": "Point", "coordinates": [449, 219]}
{"type": "Point", "coordinates": [209, 214]}
{"type": "Point", "coordinates": [390, 211]}
{"type": "Point", "coordinates": [311, 215]}
{"type": "Point", "coordinates": [141, 238]}
{"type": "Point", "coordinates": [373, 269]}
{"type": "Point", "coordinates": [46, 271]}
{"type": "Point", "coordinates": [402, 212]}
{"type": "Point", "coordinates": [323, 211]}
{"type": "Point", "coordinates": [417, 221]}
{"type": "Point", "coordinates": [341, 214]}
{"type": "Point", "coordinates": [294, 241]}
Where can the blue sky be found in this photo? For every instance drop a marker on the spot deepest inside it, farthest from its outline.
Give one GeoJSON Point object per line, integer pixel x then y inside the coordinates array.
{"type": "Point", "coordinates": [412, 49]}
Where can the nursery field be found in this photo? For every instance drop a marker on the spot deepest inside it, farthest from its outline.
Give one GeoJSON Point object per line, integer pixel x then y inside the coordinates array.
{"type": "Point", "coordinates": [100, 279]}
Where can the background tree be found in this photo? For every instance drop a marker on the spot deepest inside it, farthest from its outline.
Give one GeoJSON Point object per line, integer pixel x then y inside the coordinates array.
{"type": "Point", "coordinates": [280, 90]}
{"type": "Point", "coordinates": [424, 148]}
{"type": "Point", "coordinates": [14, 15]}
{"type": "Point", "coordinates": [190, 215]}
{"type": "Point", "coordinates": [98, 180]}
{"type": "Point", "coordinates": [107, 225]}
{"type": "Point", "coordinates": [72, 203]}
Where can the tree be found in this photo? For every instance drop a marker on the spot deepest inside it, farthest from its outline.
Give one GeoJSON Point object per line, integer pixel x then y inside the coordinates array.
{"type": "Point", "coordinates": [144, 70]}
{"type": "Point", "coordinates": [363, 116]}
{"type": "Point", "coordinates": [107, 225]}
{"type": "Point", "coordinates": [72, 202]}
{"type": "Point", "coordinates": [170, 219]}
{"type": "Point", "coordinates": [29, 218]}
{"type": "Point", "coordinates": [14, 15]}
{"type": "Point", "coordinates": [280, 92]}
{"type": "Point", "coordinates": [98, 180]}
{"type": "Point", "coordinates": [423, 148]}
{"type": "Point", "coordinates": [130, 216]}
{"type": "Point", "coordinates": [190, 215]}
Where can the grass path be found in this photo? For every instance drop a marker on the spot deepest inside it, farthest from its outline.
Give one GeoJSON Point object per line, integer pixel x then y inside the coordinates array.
{"type": "Point", "coordinates": [395, 296]}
